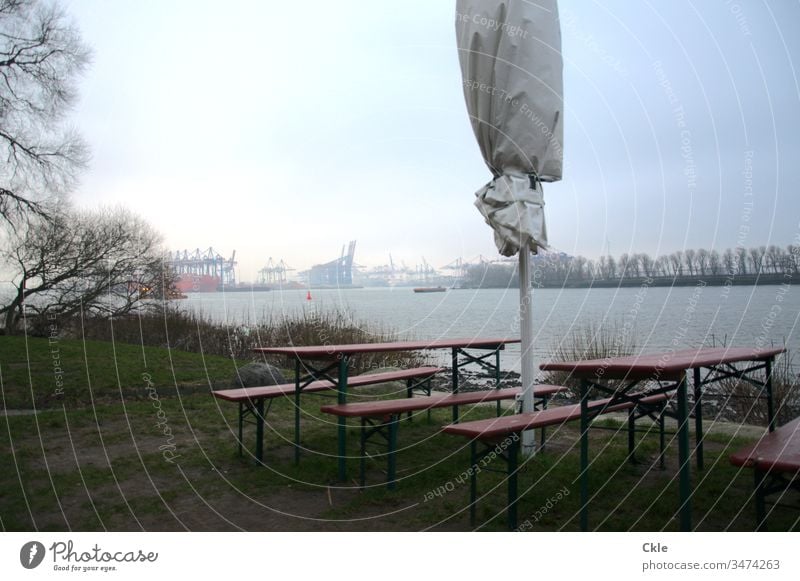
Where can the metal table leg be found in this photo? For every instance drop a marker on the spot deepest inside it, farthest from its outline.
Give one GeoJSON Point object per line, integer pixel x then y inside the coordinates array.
{"type": "Point", "coordinates": [391, 469]}
{"type": "Point", "coordinates": [473, 481]}
{"type": "Point", "coordinates": [260, 430]}
{"type": "Point", "coordinates": [584, 475]}
{"type": "Point", "coordinates": [297, 412]}
{"type": "Point", "coordinates": [770, 404]}
{"type": "Point", "coordinates": [698, 418]}
{"type": "Point", "coordinates": [513, 493]}
{"type": "Point", "coordinates": [454, 362]}
{"type": "Point", "coordinates": [685, 477]}
{"type": "Point", "coordinates": [241, 425]}
{"type": "Point", "coordinates": [342, 399]}
{"type": "Point", "coordinates": [760, 493]}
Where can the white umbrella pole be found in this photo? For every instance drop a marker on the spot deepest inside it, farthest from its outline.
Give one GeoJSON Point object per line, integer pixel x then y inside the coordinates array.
{"type": "Point", "coordinates": [526, 346]}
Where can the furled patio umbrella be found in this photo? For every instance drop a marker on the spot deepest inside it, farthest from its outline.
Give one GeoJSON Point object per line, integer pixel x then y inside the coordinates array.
{"type": "Point", "coordinates": [511, 65]}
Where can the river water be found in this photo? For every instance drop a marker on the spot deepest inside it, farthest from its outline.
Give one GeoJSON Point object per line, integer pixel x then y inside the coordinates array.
{"type": "Point", "coordinates": [651, 318]}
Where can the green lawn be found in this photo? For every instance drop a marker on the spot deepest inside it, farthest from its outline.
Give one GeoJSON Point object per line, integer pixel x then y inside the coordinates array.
{"type": "Point", "coordinates": [47, 373]}
{"type": "Point", "coordinates": [169, 461]}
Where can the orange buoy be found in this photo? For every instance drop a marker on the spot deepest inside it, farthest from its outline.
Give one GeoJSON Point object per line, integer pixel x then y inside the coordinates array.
{"type": "Point", "coordinates": [308, 296]}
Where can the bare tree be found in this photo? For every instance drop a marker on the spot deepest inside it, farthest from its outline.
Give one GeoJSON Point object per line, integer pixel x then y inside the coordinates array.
{"type": "Point", "coordinates": [634, 268]}
{"type": "Point", "coordinates": [729, 261]}
{"type": "Point", "coordinates": [793, 258]}
{"type": "Point", "coordinates": [690, 257]}
{"type": "Point", "coordinates": [757, 259]}
{"type": "Point", "coordinates": [702, 261]}
{"type": "Point", "coordinates": [647, 264]}
{"type": "Point", "coordinates": [602, 267]}
{"type": "Point", "coordinates": [676, 259]}
{"type": "Point", "coordinates": [592, 270]}
{"type": "Point", "coordinates": [611, 264]}
{"type": "Point", "coordinates": [714, 263]}
{"type": "Point", "coordinates": [624, 265]}
{"type": "Point", "coordinates": [774, 258]}
{"type": "Point", "coordinates": [41, 55]}
{"type": "Point", "coordinates": [102, 263]}
{"type": "Point", "coordinates": [579, 264]}
{"type": "Point", "coordinates": [661, 265]}
{"type": "Point", "coordinates": [741, 259]}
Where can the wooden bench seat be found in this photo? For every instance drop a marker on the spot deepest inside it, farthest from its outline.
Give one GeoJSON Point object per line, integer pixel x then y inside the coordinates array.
{"type": "Point", "coordinates": [382, 417]}
{"type": "Point", "coordinates": [383, 408]}
{"type": "Point", "coordinates": [251, 399]}
{"type": "Point", "coordinates": [775, 460]}
{"type": "Point", "coordinates": [288, 389]}
{"type": "Point", "coordinates": [507, 429]}
{"type": "Point", "coordinates": [494, 428]}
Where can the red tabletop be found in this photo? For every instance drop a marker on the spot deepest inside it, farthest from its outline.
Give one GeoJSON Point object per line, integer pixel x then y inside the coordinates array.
{"type": "Point", "coordinates": [334, 351]}
{"type": "Point", "coordinates": [668, 365]}
{"type": "Point", "coordinates": [779, 450]}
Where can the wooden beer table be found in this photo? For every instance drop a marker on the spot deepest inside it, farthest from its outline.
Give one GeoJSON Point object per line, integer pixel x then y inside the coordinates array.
{"type": "Point", "coordinates": [641, 376]}
{"type": "Point", "coordinates": [332, 363]}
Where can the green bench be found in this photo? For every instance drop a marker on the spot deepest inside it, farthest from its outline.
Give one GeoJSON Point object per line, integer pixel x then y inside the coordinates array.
{"type": "Point", "coordinates": [251, 399]}
{"type": "Point", "coordinates": [775, 460]}
{"type": "Point", "coordinates": [504, 433]}
{"type": "Point", "coordinates": [382, 417]}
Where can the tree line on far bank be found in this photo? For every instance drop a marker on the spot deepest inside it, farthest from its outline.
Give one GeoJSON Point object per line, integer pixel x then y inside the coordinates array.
{"type": "Point", "coordinates": [754, 264]}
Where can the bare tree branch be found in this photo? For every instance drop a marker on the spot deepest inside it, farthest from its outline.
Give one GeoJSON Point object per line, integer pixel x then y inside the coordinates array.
{"type": "Point", "coordinates": [41, 57]}
{"type": "Point", "coordinates": [106, 263]}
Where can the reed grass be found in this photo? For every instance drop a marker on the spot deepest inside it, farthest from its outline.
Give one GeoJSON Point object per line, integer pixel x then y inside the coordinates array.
{"type": "Point", "coordinates": [189, 331]}
{"type": "Point", "coordinates": [591, 341]}
{"type": "Point", "coordinates": [731, 399]}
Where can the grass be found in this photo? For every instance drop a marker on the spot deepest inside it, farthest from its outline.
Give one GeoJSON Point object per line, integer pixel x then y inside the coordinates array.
{"type": "Point", "coordinates": [104, 466]}
{"type": "Point", "coordinates": [41, 373]}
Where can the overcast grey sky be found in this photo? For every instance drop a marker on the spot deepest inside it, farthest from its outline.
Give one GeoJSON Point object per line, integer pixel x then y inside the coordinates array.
{"type": "Point", "coordinates": [285, 129]}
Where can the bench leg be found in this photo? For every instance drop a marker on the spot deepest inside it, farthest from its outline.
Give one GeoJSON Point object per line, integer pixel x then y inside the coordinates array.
{"type": "Point", "coordinates": [342, 427]}
{"type": "Point", "coordinates": [409, 394]}
{"type": "Point", "coordinates": [260, 430]}
{"type": "Point", "coordinates": [428, 390]}
{"type": "Point", "coordinates": [543, 430]}
{"type": "Point", "coordinates": [584, 475]}
{"type": "Point", "coordinates": [760, 493]}
{"type": "Point", "coordinates": [513, 492]}
{"type": "Point", "coordinates": [632, 435]}
{"type": "Point", "coordinates": [698, 418]}
{"type": "Point", "coordinates": [497, 379]}
{"type": "Point", "coordinates": [473, 481]}
{"type": "Point", "coordinates": [297, 427]}
{"type": "Point", "coordinates": [768, 387]}
{"type": "Point", "coordinates": [684, 460]}
{"type": "Point", "coordinates": [241, 425]}
{"type": "Point", "coordinates": [297, 412]}
{"type": "Point", "coordinates": [455, 382]}
{"type": "Point", "coordinates": [387, 429]}
{"type": "Point", "coordinates": [391, 455]}
{"type": "Point", "coordinates": [362, 470]}
{"type": "Point", "coordinates": [425, 386]}
{"type": "Point", "coordinates": [661, 439]}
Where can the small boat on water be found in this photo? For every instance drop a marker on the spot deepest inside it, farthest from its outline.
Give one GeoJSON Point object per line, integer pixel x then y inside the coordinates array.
{"type": "Point", "coordinates": [430, 289]}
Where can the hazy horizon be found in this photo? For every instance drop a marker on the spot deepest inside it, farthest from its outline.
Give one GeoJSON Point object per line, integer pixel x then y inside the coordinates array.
{"type": "Point", "coordinates": [285, 133]}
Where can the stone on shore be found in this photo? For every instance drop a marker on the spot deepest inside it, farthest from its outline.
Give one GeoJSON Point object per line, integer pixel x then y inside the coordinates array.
{"type": "Point", "coordinates": [257, 374]}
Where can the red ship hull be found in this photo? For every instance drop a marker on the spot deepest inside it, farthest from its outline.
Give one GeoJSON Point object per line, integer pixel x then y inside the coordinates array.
{"type": "Point", "coordinates": [197, 283]}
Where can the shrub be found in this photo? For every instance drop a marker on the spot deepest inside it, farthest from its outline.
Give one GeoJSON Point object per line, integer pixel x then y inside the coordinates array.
{"type": "Point", "coordinates": [189, 331]}
{"type": "Point", "coordinates": [593, 341]}
{"type": "Point", "coordinates": [739, 400]}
